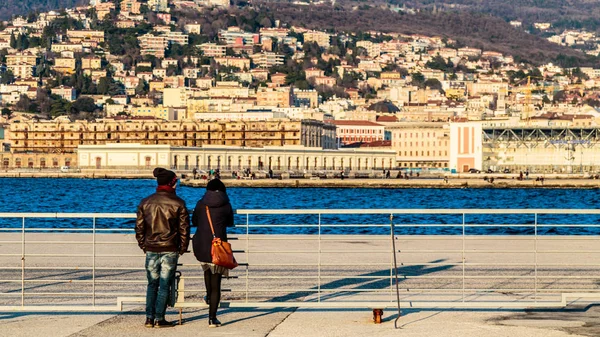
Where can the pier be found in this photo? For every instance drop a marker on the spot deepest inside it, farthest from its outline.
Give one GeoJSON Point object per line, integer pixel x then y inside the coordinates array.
{"type": "Point", "coordinates": [311, 284]}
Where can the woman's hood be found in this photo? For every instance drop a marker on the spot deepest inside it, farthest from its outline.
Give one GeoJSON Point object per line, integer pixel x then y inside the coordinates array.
{"type": "Point", "coordinates": [215, 199]}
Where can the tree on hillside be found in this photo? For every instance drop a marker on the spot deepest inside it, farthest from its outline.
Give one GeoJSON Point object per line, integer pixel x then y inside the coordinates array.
{"type": "Point", "coordinates": [86, 104]}
{"type": "Point", "coordinates": [7, 77]}
{"type": "Point", "coordinates": [418, 80]}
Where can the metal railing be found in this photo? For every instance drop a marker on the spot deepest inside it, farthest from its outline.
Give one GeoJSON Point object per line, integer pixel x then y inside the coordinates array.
{"type": "Point", "coordinates": [316, 258]}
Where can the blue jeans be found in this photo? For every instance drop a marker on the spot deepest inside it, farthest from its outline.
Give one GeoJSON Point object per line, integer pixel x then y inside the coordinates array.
{"type": "Point", "coordinates": [160, 270]}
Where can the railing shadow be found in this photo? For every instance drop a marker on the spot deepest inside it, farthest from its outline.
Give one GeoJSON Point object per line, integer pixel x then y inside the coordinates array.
{"type": "Point", "coordinates": [383, 283]}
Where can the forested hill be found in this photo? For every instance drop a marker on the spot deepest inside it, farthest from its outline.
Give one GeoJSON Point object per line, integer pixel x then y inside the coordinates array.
{"type": "Point", "coordinates": [561, 13]}
{"type": "Point", "coordinates": [8, 8]}
{"type": "Point", "coordinates": [468, 28]}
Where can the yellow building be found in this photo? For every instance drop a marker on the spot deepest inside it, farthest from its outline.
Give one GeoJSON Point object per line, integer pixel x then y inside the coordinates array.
{"type": "Point", "coordinates": [159, 111]}
{"type": "Point", "coordinates": [91, 63]}
{"type": "Point", "coordinates": [64, 137]}
{"type": "Point", "coordinates": [78, 36]}
{"type": "Point", "coordinates": [21, 58]}
{"type": "Point", "coordinates": [175, 97]}
{"type": "Point", "coordinates": [423, 145]}
{"type": "Point", "coordinates": [281, 97]}
{"type": "Point", "coordinates": [229, 90]}
{"type": "Point", "coordinates": [237, 62]}
{"type": "Point", "coordinates": [60, 47]}
{"type": "Point", "coordinates": [51, 161]}
{"type": "Point", "coordinates": [321, 38]}
{"type": "Point", "coordinates": [157, 86]}
{"type": "Point", "coordinates": [64, 65]}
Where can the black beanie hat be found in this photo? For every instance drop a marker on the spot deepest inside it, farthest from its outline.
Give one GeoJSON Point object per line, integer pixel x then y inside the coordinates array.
{"type": "Point", "coordinates": [215, 185]}
{"type": "Point", "coordinates": [164, 176]}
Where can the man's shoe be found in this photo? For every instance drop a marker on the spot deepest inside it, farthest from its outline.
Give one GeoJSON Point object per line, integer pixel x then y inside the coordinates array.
{"type": "Point", "coordinates": [213, 323]}
{"type": "Point", "coordinates": [149, 323]}
{"type": "Point", "coordinates": [163, 324]}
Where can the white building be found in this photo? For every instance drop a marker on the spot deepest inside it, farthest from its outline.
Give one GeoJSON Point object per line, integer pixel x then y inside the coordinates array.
{"type": "Point", "coordinates": [285, 158]}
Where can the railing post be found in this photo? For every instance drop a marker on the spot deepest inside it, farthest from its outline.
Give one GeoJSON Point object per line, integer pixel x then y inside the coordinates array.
{"type": "Point", "coordinates": [23, 263]}
{"type": "Point", "coordinates": [392, 257]}
{"type": "Point", "coordinates": [94, 261]}
{"type": "Point", "coordinates": [535, 243]}
{"type": "Point", "coordinates": [247, 254]}
{"type": "Point", "coordinates": [319, 264]}
{"type": "Point", "coordinates": [463, 257]}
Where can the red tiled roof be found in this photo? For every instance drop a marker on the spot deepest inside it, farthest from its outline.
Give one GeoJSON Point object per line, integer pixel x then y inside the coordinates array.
{"type": "Point", "coordinates": [377, 143]}
{"type": "Point", "coordinates": [387, 118]}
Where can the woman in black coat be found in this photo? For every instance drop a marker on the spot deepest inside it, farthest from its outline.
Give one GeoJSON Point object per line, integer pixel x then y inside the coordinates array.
{"type": "Point", "coordinates": [221, 214]}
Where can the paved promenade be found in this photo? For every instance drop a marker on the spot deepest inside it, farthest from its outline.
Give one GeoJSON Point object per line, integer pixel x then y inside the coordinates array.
{"type": "Point", "coordinates": [574, 321]}
{"type": "Point", "coordinates": [118, 260]}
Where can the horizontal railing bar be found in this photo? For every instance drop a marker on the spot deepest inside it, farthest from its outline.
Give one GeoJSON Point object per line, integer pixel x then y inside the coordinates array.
{"type": "Point", "coordinates": [314, 251]}
{"type": "Point", "coordinates": [419, 211]}
{"type": "Point", "coordinates": [76, 281]}
{"type": "Point", "coordinates": [68, 215]}
{"type": "Point", "coordinates": [105, 294]}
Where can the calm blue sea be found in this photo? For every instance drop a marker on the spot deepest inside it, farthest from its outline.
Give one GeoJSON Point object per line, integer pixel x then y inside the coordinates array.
{"type": "Point", "coordinates": [122, 196]}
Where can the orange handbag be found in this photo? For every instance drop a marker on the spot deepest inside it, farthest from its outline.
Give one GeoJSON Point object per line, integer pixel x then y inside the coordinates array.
{"type": "Point", "coordinates": [221, 252]}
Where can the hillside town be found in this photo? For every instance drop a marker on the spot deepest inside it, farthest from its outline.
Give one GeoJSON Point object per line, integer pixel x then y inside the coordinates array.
{"type": "Point", "coordinates": [140, 83]}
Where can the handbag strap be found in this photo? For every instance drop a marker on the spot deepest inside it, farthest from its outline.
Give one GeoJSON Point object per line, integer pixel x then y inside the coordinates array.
{"type": "Point", "coordinates": [210, 222]}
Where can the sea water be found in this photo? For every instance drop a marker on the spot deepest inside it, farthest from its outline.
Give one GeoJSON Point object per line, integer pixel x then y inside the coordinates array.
{"type": "Point", "coordinates": [51, 195]}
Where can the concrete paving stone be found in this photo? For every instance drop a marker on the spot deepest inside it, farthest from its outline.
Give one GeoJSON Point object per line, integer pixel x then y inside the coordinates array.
{"type": "Point", "coordinates": [578, 319]}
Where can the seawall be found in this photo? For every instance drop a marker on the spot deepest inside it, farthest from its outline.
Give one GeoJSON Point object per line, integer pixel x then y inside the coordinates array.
{"type": "Point", "coordinates": [453, 181]}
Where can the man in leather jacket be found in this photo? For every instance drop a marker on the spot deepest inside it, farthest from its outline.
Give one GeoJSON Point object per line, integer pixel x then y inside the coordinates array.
{"type": "Point", "coordinates": [162, 230]}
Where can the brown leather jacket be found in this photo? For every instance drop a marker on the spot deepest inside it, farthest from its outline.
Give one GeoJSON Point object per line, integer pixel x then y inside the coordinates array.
{"type": "Point", "coordinates": [163, 223]}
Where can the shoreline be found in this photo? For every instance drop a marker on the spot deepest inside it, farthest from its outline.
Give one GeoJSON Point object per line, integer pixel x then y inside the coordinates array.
{"type": "Point", "coordinates": [454, 183]}
{"type": "Point", "coordinates": [554, 181]}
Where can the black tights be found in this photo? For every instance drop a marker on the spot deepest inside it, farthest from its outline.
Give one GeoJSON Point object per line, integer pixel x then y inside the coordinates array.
{"type": "Point", "coordinates": [213, 290]}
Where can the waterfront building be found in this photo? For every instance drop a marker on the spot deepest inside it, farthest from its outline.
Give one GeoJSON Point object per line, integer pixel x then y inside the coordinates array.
{"type": "Point", "coordinates": [541, 149]}
{"type": "Point", "coordinates": [39, 161]}
{"type": "Point", "coordinates": [65, 136]}
{"type": "Point", "coordinates": [229, 158]}
{"type": "Point", "coordinates": [465, 146]}
{"type": "Point", "coordinates": [424, 145]}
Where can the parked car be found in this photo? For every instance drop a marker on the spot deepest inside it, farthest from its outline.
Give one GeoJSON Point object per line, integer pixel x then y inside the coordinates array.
{"type": "Point", "coordinates": [506, 171]}
{"type": "Point", "coordinates": [65, 169]}
{"type": "Point", "coordinates": [474, 170]}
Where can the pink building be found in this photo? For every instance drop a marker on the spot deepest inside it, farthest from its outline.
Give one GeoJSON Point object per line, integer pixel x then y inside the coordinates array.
{"type": "Point", "coordinates": [349, 131]}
